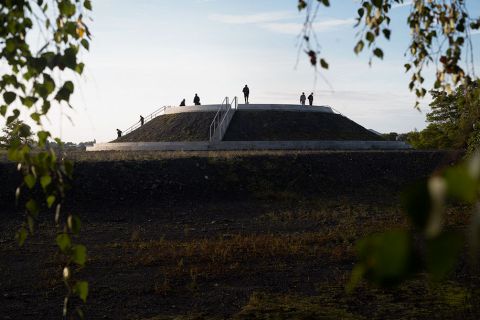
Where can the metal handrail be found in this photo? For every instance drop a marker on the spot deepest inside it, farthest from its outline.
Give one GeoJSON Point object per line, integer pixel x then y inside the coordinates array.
{"type": "Point", "coordinates": [216, 119]}
{"type": "Point", "coordinates": [150, 117]}
{"type": "Point", "coordinates": [219, 123]}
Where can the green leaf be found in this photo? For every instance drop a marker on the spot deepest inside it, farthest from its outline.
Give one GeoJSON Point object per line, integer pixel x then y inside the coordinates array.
{"type": "Point", "coordinates": [79, 68]}
{"type": "Point", "coordinates": [361, 12]}
{"type": "Point", "coordinates": [32, 207]}
{"type": "Point", "coordinates": [81, 290]}
{"type": "Point", "coordinates": [386, 257]}
{"type": "Point", "coordinates": [45, 181]}
{"type": "Point", "coordinates": [16, 114]}
{"type": "Point", "coordinates": [69, 58]}
{"type": "Point", "coordinates": [30, 180]}
{"type": "Point", "coordinates": [66, 8]}
{"type": "Point", "coordinates": [85, 44]}
{"type": "Point", "coordinates": [387, 33]}
{"type": "Point", "coordinates": [42, 137]}
{"type": "Point", "coordinates": [326, 3]}
{"type": "Point", "coordinates": [324, 64]}
{"type": "Point", "coordinates": [442, 254]}
{"type": "Point", "coordinates": [50, 201]}
{"type": "Point", "coordinates": [378, 52]}
{"type": "Point", "coordinates": [35, 117]}
{"type": "Point", "coordinates": [21, 236]}
{"type": "Point", "coordinates": [9, 97]}
{"type": "Point", "coordinates": [356, 276]}
{"type": "Point", "coordinates": [10, 45]}
{"type": "Point", "coordinates": [74, 223]}
{"type": "Point", "coordinates": [370, 37]}
{"type": "Point", "coordinates": [65, 92]}
{"type": "Point", "coordinates": [461, 186]}
{"type": "Point", "coordinates": [88, 4]}
{"type": "Point", "coordinates": [377, 3]}
{"type": "Point", "coordinates": [359, 47]}
{"type": "Point", "coordinates": [63, 241]}
{"type": "Point", "coordinates": [79, 254]}
{"type": "Point", "coordinates": [301, 5]}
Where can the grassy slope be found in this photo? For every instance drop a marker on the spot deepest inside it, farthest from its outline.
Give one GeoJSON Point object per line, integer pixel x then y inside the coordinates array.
{"type": "Point", "coordinates": [189, 126]}
{"type": "Point", "coordinates": [252, 126]}
{"type": "Point", "coordinates": [288, 125]}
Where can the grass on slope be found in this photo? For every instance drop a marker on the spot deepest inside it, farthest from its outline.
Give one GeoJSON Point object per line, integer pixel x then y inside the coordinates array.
{"type": "Point", "coordinates": [188, 126]}
{"type": "Point", "coordinates": [291, 125]}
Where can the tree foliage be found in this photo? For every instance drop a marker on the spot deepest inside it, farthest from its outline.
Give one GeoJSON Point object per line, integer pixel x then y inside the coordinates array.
{"type": "Point", "coordinates": [440, 37]}
{"type": "Point", "coordinates": [453, 120]}
{"type": "Point", "coordinates": [36, 78]}
{"type": "Point", "coordinates": [16, 132]}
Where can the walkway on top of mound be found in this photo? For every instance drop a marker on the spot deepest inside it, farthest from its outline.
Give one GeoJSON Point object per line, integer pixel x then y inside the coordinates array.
{"type": "Point", "coordinates": [250, 107]}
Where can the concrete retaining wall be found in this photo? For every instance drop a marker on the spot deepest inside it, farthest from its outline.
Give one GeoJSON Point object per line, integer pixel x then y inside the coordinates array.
{"type": "Point", "coordinates": [250, 145]}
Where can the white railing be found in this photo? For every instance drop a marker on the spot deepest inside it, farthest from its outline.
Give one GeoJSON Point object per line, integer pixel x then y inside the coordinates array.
{"type": "Point", "coordinates": [150, 117]}
{"type": "Point", "coordinates": [222, 118]}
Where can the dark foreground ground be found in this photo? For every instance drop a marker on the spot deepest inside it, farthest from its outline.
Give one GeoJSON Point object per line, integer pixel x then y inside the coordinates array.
{"type": "Point", "coordinates": [272, 237]}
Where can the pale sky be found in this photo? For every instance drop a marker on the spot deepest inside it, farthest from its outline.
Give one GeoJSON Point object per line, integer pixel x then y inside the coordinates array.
{"type": "Point", "coordinates": [149, 53]}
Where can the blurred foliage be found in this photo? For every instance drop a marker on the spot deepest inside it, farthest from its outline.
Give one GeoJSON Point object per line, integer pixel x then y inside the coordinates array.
{"type": "Point", "coordinates": [454, 120]}
{"type": "Point", "coordinates": [440, 37]}
{"type": "Point", "coordinates": [391, 257]}
{"type": "Point", "coordinates": [36, 76]}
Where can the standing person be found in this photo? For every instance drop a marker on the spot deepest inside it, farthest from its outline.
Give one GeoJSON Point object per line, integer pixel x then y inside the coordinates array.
{"type": "Point", "coordinates": [182, 104]}
{"type": "Point", "coordinates": [303, 98]}
{"type": "Point", "coordinates": [310, 99]}
{"type": "Point", "coordinates": [196, 100]}
{"type": "Point", "coordinates": [119, 133]}
{"type": "Point", "coordinates": [246, 93]}
{"type": "Point", "coordinates": [142, 120]}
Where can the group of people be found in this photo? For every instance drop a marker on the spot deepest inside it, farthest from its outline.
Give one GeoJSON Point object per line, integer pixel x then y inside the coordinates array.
{"type": "Point", "coordinates": [142, 122]}
{"type": "Point", "coordinates": [246, 94]}
{"type": "Point", "coordinates": [196, 99]}
{"type": "Point", "coordinates": [303, 99]}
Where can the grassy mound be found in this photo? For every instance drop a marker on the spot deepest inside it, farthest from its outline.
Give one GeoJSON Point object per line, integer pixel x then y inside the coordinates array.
{"type": "Point", "coordinates": [290, 125]}
{"type": "Point", "coordinates": [188, 126]}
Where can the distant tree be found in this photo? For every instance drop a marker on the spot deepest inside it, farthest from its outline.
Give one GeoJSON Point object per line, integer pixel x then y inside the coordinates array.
{"type": "Point", "coordinates": [16, 132]}
{"type": "Point", "coordinates": [392, 136]}
{"type": "Point", "coordinates": [453, 120]}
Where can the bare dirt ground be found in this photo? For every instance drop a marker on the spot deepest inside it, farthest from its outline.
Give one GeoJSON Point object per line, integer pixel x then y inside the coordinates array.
{"type": "Point", "coordinates": [276, 254]}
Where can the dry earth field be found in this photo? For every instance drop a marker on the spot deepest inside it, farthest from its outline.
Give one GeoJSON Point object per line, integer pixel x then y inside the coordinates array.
{"type": "Point", "coordinates": [229, 235]}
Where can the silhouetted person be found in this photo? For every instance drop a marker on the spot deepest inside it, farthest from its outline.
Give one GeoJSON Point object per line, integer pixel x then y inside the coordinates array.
{"type": "Point", "coordinates": [310, 99]}
{"type": "Point", "coordinates": [246, 93]}
{"type": "Point", "coordinates": [119, 133]}
{"type": "Point", "coordinates": [303, 98]}
{"type": "Point", "coordinates": [142, 120]}
{"type": "Point", "coordinates": [196, 100]}
{"type": "Point", "coordinates": [182, 104]}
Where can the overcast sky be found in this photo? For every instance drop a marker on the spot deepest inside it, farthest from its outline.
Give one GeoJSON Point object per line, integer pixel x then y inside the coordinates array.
{"type": "Point", "coordinates": [150, 53]}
